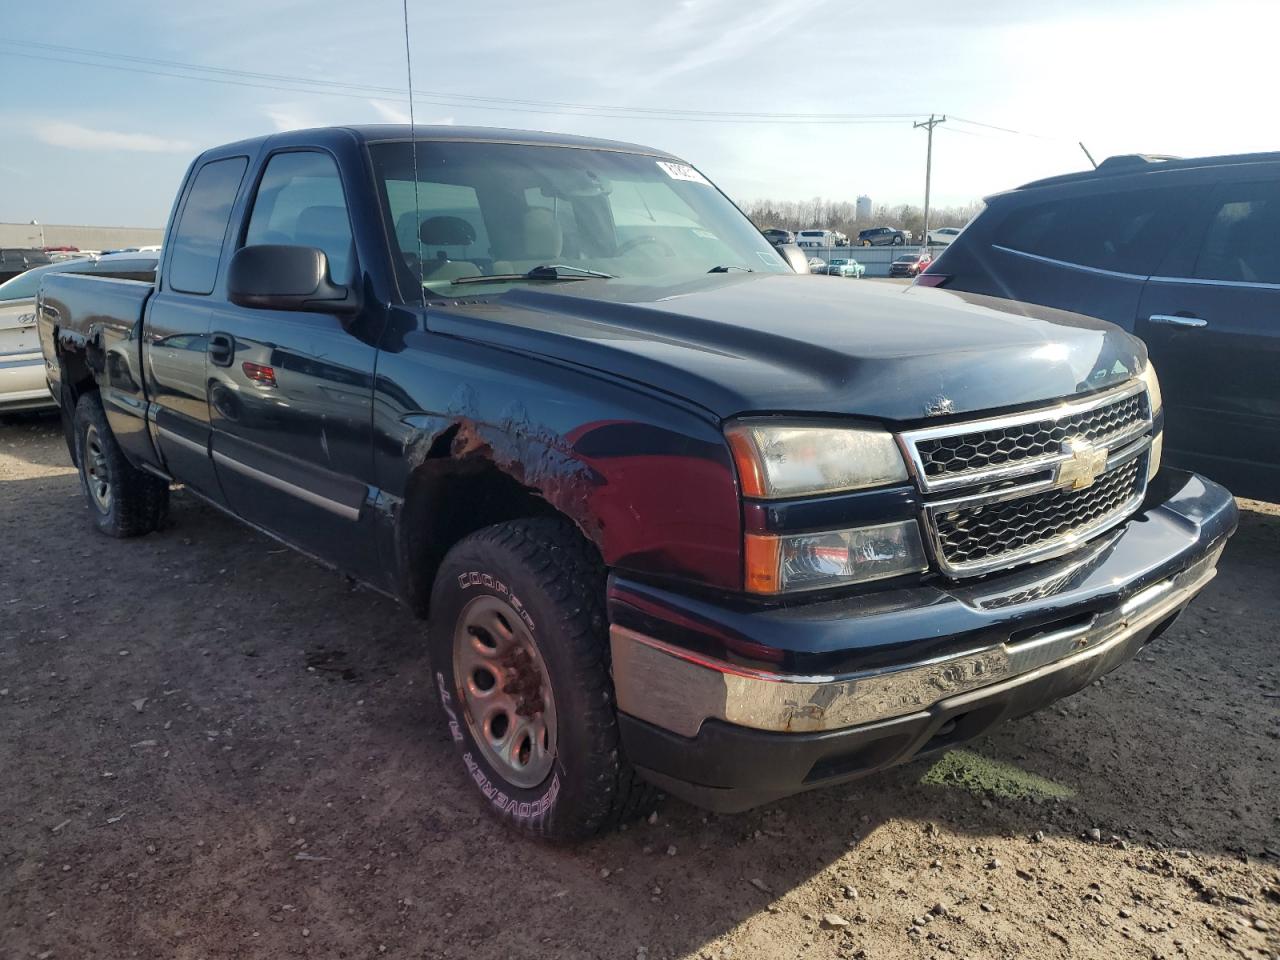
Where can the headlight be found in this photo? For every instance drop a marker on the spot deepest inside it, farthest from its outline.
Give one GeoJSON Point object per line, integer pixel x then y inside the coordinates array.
{"type": "Point", "coordinates": [811, 561]}
{"type": "Point", "coordinates": [777, 459]}
{"type": "Point", "coordinates": [1155, 403]}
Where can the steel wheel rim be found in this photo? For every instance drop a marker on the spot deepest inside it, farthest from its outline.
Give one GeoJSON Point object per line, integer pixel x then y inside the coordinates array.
{"type": "Point", "coordinates": [97, 471]}
{"type": "Point", "coordinates": [505, 691]}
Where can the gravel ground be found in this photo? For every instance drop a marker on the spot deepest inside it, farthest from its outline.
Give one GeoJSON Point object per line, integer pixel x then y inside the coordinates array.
{"type": "Point", "coordinates": [214, 748]}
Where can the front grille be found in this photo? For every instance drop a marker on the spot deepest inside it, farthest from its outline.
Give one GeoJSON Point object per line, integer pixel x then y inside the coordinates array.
{"type": "Point", "coordinates": [1009, 496]}
{"type": "Point", "coordinates": [972, 536]}
{"type": "Point", "coordinates": [1011, 443]}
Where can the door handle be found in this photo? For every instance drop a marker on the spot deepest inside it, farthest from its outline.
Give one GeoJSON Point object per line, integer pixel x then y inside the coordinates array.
{"type": "Point", "coordinates": [1173, 320]}
{"type": "Point", "coordinates": [222, 349]}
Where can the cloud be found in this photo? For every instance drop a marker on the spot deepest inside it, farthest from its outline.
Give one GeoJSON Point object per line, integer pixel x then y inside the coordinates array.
{"type": "Point", "coordinates": [733, 33]}
{"type": "Point", "coordinates": [389, 113]}
{"type": "Point", "coordinates": [75, 137]}
{"type": "Point", "coordinates": [290, 116]}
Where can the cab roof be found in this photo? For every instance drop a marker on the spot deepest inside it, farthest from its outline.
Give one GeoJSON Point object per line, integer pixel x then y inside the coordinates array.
{"type": "Point", "coordinates": [381, 132]}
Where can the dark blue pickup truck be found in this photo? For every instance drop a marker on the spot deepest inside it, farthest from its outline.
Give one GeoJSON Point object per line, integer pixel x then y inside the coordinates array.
{"type": "Point", "coordinates": [675, 514]}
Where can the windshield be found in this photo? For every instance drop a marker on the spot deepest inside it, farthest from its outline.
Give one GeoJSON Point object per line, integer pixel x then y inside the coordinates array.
{"type": "Point", "coordinates": [504, 209]}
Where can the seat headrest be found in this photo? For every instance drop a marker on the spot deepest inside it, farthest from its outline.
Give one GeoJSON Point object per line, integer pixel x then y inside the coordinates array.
{"type": "Point", "coordinates": [318, 221]}
{"type": "Point", "coordinates": [543, 238]}
{"type": "Point", "coordinates": [446, 232]}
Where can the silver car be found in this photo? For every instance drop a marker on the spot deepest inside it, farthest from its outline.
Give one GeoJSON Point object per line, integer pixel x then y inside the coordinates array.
{"type": "Point", "coordinates": [22, 380]}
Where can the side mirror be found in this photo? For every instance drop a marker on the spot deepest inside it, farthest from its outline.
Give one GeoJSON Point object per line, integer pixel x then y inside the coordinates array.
{"type": "Point", "coordinates": [276, 276]}
{"type": "Point", "coordinates": [795, 257]}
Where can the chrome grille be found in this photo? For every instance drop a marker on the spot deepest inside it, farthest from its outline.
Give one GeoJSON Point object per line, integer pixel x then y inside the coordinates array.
{"type": "Point", "coordinates": [1013, 483]}
{"type": "Point", "coordinates": [967, 454]}
{"type": "Point", "coordinates": [970, 536]}
{"type": "Point", "coordinates": [981, 450]}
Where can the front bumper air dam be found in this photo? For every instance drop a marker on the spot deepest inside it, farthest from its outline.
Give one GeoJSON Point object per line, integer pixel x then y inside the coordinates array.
{"type": "Point", "coordinates": [730, 737]}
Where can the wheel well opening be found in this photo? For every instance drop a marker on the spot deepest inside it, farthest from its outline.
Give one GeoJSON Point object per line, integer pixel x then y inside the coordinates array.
{"type": "Point", "coordinates": [447, 500]}
{"type": "Point", "coordinates": [77, 380]}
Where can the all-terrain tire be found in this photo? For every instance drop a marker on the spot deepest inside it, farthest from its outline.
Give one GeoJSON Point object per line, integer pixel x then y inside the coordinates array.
{"type": "Point", "coordinates": [544, 571]}
{"type": "Point", "coordinates": [123, 500]}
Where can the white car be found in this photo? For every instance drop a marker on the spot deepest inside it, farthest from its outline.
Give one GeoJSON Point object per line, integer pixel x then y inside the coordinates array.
{"type": "Point", "coordinates": [941, 236]}
{"type": "Point", "coordinates": [820, 239]}
{"type": "Point", "coordinates": [22, 379]}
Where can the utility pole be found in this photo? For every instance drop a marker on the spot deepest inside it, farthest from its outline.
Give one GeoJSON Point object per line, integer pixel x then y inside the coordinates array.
{"type": "Point", "coordinates": [928, 167]}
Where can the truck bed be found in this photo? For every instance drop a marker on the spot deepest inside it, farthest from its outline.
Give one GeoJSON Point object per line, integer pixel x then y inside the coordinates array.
{"type": "Point", "coordinates": [82, 317]}
{"type": "Point", "coordinates": [90, 329]}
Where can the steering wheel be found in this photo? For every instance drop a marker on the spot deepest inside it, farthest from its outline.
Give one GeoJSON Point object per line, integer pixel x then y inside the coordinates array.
{"type": "Point", "coordinates": [634, 242]}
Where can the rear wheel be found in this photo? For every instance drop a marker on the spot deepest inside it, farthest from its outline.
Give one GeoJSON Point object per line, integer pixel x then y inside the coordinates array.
{"type": "Point", "coordinates": [123, 500]}
{"type": "Point", "coordinates": [520, 652]}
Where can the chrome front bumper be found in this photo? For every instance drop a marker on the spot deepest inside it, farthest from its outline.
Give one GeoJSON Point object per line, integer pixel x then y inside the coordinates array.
{"type": "Point", "coordinates": [678, 690]}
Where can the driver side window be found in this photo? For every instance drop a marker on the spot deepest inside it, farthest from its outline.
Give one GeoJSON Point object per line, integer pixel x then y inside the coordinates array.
{"type": "Point", "coordinates": [300, 202]}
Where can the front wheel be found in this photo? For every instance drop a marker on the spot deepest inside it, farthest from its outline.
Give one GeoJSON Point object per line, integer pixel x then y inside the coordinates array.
{"type": "Point", "coordinates": [520, 654]}
{"type": "Point", "coordinates": [898, 241]}
{"type": "Point", "coordinates": [123, 500]}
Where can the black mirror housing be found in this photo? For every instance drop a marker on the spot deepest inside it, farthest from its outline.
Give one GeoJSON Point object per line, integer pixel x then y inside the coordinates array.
{"type": "Point", "coordinates": [277, 276]}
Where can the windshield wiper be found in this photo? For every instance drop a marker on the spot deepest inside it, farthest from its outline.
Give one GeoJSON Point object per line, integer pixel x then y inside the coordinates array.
{"type": "Point", "coordinates": [732, 266]}
{"type": "Point", "coordinates": [544, 272]}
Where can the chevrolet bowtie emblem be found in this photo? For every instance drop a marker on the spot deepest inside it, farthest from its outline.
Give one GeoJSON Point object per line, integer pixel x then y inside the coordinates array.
{"type": "Point", "coordinates": [1084, 464]}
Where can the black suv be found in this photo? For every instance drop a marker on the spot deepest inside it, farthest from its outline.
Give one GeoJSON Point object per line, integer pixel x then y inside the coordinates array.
{"type": "Point", "coordinates": [1183, 252]}
{"type": "Point", "coordinates": [14, 261]}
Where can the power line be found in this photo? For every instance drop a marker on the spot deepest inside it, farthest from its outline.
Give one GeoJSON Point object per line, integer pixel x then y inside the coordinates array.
{"type": "Point", "coordinates": [396, 94]}
{"type": "Point", "coordinates": [228, 76]}
{"type": "Point", "coordinates": [438, 100]}
{"type": "Point", "coordinates": [1010, 130]}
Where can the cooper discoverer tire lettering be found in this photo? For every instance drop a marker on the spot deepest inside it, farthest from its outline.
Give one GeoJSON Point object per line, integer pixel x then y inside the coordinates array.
{"type": "Point", "coordinates": [520, 657]}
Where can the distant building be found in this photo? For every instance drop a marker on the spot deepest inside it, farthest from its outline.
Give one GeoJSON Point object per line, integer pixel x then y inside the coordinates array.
{"type": "Point", "coordinates": [864, 208]}
{"type": "Point", "coordinates": [83, 237]}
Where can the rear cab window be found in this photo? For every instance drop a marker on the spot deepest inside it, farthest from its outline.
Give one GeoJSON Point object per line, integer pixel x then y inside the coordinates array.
{"type": "Point", "coordinates": [202, 226]}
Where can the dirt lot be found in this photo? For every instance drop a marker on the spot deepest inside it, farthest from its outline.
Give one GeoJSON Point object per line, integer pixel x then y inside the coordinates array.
{"type": "Point", "coordinates": [213, 748]}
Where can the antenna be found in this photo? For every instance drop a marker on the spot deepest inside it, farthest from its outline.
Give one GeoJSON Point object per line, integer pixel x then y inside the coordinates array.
{"type": "Point", "coordinates": [1089, 155]}
{"type": "Point", "coordinates": [413, 147]}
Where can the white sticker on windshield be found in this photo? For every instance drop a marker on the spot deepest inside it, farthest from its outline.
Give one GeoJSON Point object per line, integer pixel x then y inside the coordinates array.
{"type": "Point", "coordinates": [682, 171]}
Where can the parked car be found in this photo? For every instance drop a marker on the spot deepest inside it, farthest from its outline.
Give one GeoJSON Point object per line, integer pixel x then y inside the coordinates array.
{"type": "Point", "coordinates": [778, 237]}
{"type": "Point", "coordinates": [883, 237]}
{"type": "Point", "coordinates": [568, 437]}
{"type": "Point", "coordinates": [821, 238]}
{"type": "Point", "coordinates": [16, 260]}
{"type": "Point", "coordinates": [817, 265]}
{"type": "Point", "coordinates": [22, 375]}
{"type": "Point", "coordinates": [1184, 253]}
{"type": "Point", "coordinates": [941, 236]}
{"type": "Point", "coordinates": [909, 264]}
{"type": "Point", "coordinates": [845, 268]}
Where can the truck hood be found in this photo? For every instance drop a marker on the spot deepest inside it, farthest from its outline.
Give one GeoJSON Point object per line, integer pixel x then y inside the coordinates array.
{"type": "Point", "coordinates": [766, 343]}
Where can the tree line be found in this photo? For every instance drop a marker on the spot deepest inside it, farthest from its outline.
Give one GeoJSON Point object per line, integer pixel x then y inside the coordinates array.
{"type": "Point", "coordinates": [841, 215]}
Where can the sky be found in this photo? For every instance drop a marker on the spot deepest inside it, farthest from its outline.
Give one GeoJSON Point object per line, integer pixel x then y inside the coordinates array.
{"type": "Point", "coordinates": [96, 139]}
